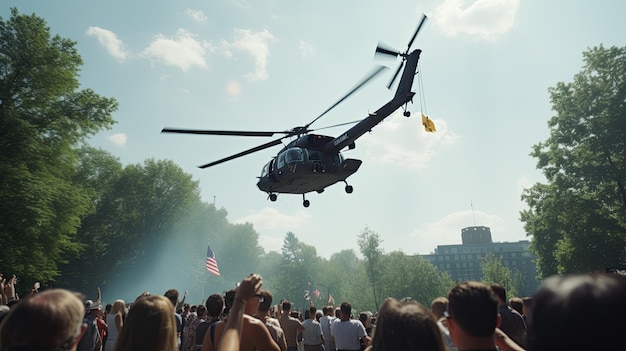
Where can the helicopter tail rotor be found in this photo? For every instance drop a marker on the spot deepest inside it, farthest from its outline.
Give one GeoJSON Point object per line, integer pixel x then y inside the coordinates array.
{"type": "Point", "coordinates": [385, 50]}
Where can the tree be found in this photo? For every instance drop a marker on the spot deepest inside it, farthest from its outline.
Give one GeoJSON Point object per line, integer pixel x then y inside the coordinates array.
{"type": "Point", "coordinates": [369, 245]}
{"type": "Point", "coordinates": [43, 118]}
{"type": "Point", "coordinates": [414, 277]}
{"type": "Point", "coordinates": [299, 266]}
{"type": "Point", "coordinates": [496, 272]}
{"type": "Point", "coordinates": [578, 219]}
{"type": "Point", "coordinates": [138, 211]}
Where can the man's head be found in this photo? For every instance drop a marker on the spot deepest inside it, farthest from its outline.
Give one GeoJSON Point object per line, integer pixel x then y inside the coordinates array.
{"type": "Point", "coordinates": [215, 305]}
{"type": "Point", "coordinates": [267, 301]}
{"type": "Point", "coordinates": [201, 311]}
{"type": "Point", "coordinates": [366, 319]}
{"type": "Point", "coordinates": [312, 311]}
{"type": "Point", "coordinates": [346, 310]}
{"type": "Point", "coordinates": [50, 320]}
{"type": "Point", "coordinates": [500, 292]}
{"type": "Point", "coordinates": [579, 312]}
{"type": "Point", "coordinates": [286, 307]}
{"type": "Point", "coordinates": [172, 295]}
{"type": "Point", "coordinates": [473, 307]}
{"type": "Point", "coordinates": [438, 306]}
{"type": "Point", "coordinates": [517, 304]}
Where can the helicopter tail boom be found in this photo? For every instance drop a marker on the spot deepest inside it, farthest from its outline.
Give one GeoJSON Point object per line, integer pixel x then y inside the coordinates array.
{"type": "Point", "coordinates": [403, 96]}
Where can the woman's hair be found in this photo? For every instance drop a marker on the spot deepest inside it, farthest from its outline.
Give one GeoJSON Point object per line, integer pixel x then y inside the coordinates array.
{"type": "Point", "coordinates": [406, 325]}
{"type": "Point", "coordinates": [45, 321]}
{"type": "Point", "coordinates": [119, 306]}
{"type": "Point", "coordinates": [150, 325]}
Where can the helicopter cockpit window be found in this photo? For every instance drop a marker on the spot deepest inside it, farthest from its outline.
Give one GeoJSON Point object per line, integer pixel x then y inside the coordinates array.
{"type": "Point", "coordinates": [281, 160]}
{"type": "Point", "coordinates": [266, 169]}
{"type": "Point", "coordinates": [315, 155]}
{"type": "Point", "coordinates": [295, 154]}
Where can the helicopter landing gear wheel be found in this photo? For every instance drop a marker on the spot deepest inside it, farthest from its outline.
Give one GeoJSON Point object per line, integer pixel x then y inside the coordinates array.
{"type": "Point", "coordinates": [407, 113]}
{"type": "Point", "coordinates": [273, 197]}
{"type": "Point", "coordinates": [348, 188]}
{"type": "Point", "coordinates": [305, 202]}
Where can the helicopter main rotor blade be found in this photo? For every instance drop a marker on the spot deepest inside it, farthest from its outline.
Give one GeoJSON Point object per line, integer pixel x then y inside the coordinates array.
{"type": "Point", "coordinates": [395, 75]}
{"type": "Point", "coordinates": [419, 27]}
{"type": "Point", "coordinates": [374, 73]}
{"type": "Point", "coordinates": [337, 125]}
{"type": "Point", "coordinates": [243, 153]}
{"type": "Point", "coordinates": [221, 132]}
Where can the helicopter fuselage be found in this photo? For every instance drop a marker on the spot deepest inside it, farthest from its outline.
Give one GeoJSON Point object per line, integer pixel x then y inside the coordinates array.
{"type": "Point", "coordinates": [303, 166]}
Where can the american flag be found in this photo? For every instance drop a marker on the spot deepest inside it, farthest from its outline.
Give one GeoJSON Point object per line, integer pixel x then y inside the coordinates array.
{"type": "Point", "coordinates": [211, 263]}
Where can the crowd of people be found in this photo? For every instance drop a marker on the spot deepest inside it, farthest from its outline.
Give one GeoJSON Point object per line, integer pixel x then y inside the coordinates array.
{"type": "Point", "coordinates": [573, 312]}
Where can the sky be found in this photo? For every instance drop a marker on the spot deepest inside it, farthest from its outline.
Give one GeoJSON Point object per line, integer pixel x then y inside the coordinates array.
{"type": "Point", "coordinates": [484, 76]}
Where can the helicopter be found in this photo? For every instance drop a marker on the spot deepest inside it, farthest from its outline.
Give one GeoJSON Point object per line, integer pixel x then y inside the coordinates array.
{"type": "Point", "coordinates": [313, 162]}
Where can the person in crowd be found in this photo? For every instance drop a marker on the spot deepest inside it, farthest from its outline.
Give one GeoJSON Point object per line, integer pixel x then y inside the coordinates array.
{"type": "Point", "coordinates": [325, 322]}
{"type": "Point", "coordinates": [312, 334]}
{"type": "Point", "coordinates": [115, 322]}
{"type": "Point", "coordinates": [438, 307]}
{"type": "Point", "coordinates": [318, 315]}
{"type": "Point", "coordinates": [150, 325]}
{"type": "Point", "coordinates": [517, 304]}
{"type": "Point", "coordinates": [511, 322]}
{"type": "Point", "coordinates": [406, 326]}
{"type": "Point", "coordinates": [214, 307]}
{"type": "Point", "coordinates": [91, 338]}
{"type": "Point", "coordinates": [233, 328]}
{"type": "Point", "coordinates": [254, 333]}
{"type": "Point", "coordinates": [366, 319]}
{"type": "Point", "coordinates": [172, 295]}
{"type": "Point", "coordinates": [8, 289]}
{"type": "Point", "coordinates": [346, 332]}
{"type": "Point", "coordinates": [272, 324]}
{"type": "Point", "coordinates": [579, 312]}
{"type": "Point", "coordinates": [103, 328]}
{"type": "Point", "coordinates": [50, 320]}
{"type": "Point", "coordinates": [472, 316]}
{"type": "Point", "coordinates": [527, 310]}
{"type": "Point", "coordinates": [291, 326]}
{"type": "Point", "coordinates": [189, 343]}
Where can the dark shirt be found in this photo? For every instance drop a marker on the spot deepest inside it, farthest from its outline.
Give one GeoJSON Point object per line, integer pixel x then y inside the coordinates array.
{"type": "Point", "coordinates": [512, 324]}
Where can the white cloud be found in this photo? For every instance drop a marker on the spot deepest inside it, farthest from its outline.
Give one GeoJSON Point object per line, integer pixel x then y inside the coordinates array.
{"type": "Point", "coordinates": [403, 141]}
{"type": "Point", "coordinates": [485, 19]}
{"type": "Point", "coordinates": [305, 48]}
{"type": "Point", "coordinates": [182, 51]}
{"type": "Point", "coordinates": [118, 139]}
{"type": "Point", "coordinates": [109, 40]}
{"type": "Point", "coordinates": [447, 230]}
{"type": "Point", "coordinates": [197, 15]}
{"type": "Point", "coordinates": [272, 225]}
{"type": "Point", "coordinates": [256, 44]}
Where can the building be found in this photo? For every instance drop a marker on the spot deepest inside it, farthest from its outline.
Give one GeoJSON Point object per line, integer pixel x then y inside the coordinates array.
{"type": "Point", "coordinates": [463, 261]}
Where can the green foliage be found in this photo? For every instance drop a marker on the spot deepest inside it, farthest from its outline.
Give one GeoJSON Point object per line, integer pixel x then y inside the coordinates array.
{"type": "Point", "coordinates": [414, 277]}
{"type": "Point", "coordinates": [369, 245]}
{"type": "Point", "coordinates": [578, 219]}
{"type": "Point", "coordinates": [43, 118]}
{"type": "Point", "coordinates": [494, 271]}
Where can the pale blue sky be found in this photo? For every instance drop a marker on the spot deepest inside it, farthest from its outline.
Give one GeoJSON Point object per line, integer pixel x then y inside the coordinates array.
{"type": "Point", "coordinates": [273, 65]}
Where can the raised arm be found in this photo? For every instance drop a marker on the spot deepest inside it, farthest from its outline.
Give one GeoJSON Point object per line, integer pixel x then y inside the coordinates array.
{"type": "Point", "coordinates": [232, 331]}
